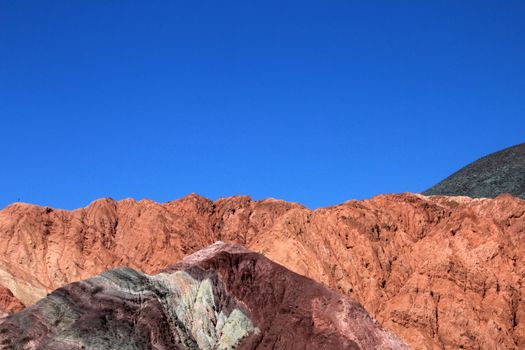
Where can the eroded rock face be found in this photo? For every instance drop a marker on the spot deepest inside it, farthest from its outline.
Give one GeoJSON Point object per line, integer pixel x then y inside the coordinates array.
{"type": "Point", "coordinates": [224, 297]}
{"type": "Point", "coordinates": [441, 272]}
{"type": "Point", "coordinates": [42, 248]}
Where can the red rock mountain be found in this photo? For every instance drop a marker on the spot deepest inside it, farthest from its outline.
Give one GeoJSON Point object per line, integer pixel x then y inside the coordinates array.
{"type": "Point", "coordinates": [441, 272]}
{"type": "Point", "coordinates": [9, 304]}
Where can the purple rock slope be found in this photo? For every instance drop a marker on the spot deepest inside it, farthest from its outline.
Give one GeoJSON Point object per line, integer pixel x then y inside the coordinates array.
{"type": "Point", "coordinates": [222, 297]}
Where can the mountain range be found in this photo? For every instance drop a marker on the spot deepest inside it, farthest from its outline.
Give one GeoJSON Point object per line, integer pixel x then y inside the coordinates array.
{"type": "Point", "coordinates": [396, 270]}
{"type": "Point", "coordinates": [437, 271]}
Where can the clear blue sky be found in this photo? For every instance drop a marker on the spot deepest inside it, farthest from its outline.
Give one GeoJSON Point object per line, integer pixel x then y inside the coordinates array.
{"type": "Point", "coordinates": [310, 101]}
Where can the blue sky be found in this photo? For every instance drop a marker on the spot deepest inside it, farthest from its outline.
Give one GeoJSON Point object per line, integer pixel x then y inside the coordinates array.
{"type": "Point", "coordinates": [311, 101]}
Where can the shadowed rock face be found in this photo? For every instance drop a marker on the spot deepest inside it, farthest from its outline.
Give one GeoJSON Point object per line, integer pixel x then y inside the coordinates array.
{"type": "Point", "coordinates": [488, 177]}
{"type": "Point", "coordinates": [441, 272]}
{"type": "Point", "coordinates": [223, 297]}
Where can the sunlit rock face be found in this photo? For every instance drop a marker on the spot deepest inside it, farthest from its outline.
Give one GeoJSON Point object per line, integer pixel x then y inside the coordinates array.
{"type": "Point", "coordinates": [440, 272]}
{"type": "Point", "coordinates": [222, 297]}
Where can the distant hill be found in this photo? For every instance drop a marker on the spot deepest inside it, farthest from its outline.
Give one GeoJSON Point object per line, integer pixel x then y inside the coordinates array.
{"type": "Point", "coordinates": [499, 172]}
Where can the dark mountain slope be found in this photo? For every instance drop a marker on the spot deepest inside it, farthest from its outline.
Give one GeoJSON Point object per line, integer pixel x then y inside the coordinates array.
{"type": "Point", "coordinates": [497, 173]}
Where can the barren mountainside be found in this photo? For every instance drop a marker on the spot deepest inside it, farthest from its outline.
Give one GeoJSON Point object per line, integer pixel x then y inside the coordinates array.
{"type": "Point", "coordinates": [441, 272]}
{"type": "Point", "coordinates": [222, 297]}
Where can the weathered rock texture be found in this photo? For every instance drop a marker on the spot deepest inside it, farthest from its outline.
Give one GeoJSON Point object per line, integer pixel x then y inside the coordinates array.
{"type": "Point", "coordinates": [8, 302]}
{"type": "Point", "coordinates": [488, 177]}
{"type": "Point", "coordinates": [441, 272]}
{"type": "Point", "coordinates": [222, 297]}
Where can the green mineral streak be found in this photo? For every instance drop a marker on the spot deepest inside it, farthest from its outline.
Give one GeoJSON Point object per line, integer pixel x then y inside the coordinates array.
{"type": "Point", "coordinates": [189, 304]}
{"type": "Point", "coordinates": [193, 303]}
{"type": "Point", "coordinates": [236, 327]}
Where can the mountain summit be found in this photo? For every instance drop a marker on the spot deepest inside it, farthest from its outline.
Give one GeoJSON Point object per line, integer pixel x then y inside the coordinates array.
{"type": "Point", "coordinates": [487, 177]}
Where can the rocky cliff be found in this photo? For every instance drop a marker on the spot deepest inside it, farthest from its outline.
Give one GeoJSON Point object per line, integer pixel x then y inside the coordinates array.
{"type": "Point", "coordinates": [441, 272]}
{"type": "Point", "coordinates": [222, 297]}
